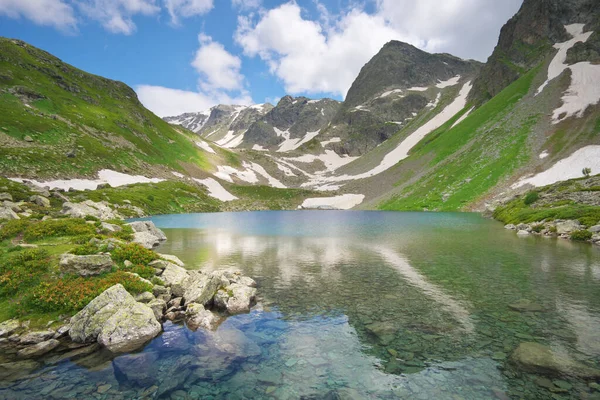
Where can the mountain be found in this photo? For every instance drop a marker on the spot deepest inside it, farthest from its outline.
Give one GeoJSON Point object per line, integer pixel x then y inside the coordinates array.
{"type": "Point", "coordinates": [528, 38]}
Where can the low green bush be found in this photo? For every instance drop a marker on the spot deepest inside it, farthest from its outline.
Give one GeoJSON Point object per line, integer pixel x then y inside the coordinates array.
{"type": "Point", "coordinates": [581, 235]}
{"type": "Point", "coordinates": [23, 269]}
{"type": "Point", "coordinates": [85, 249]}
{"type": "Point", "coordinates": [13, 228]}
{"type": "Point", "coordinates": [61, 227]}
{"type": "Point", "coordinates": [531, 198]}
{"type": "Point", "coordinates": [135, 253]}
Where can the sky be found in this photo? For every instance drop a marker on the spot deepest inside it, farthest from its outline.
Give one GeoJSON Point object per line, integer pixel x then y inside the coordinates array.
{"type": "Point", "coordinates": [189, 55]}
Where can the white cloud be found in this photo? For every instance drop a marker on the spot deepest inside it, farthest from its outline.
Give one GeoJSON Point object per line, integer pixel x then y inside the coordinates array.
{"type": "Point", "coordinates": [218, 68]}
{"type": "Point", "coordinates": [54, 13]}
{"type": "Point", "coordinates": [166, 102]}
{"type": "Point", "coordinates": [187, 8]}
{"type": "Point", "coordinates": [221, 82]}
{"type": "Point", "coordinates": [116, 15]}
{"type": "Point", "coordinates": [326, 55]}
{"type": "Point", "coordinates": [246, 4]}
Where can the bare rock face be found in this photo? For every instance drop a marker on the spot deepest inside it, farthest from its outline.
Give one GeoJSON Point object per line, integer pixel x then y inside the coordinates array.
{"type": "Point", "coordinates": [116, 321]}
{"type": "Point", "coordinates": [147, 234]}
{"type": "Point", "coordinates": [100, 210]}
{"type": "Point", "coordinates": [38, 349]}
{"type": "Point", "coordinates": [88, 265]}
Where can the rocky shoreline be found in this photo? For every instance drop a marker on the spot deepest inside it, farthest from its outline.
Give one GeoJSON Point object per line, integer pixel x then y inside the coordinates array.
{"type": "Point", "coordinates": [563, 229]}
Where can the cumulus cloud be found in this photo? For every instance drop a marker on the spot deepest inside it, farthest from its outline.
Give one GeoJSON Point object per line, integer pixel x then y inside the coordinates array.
{"type": "Point", "coordinates": [187, 8]}
{"type": "Point", "coordinates": [116, 15]}
{"type": "Point", "coordinates": [220, 82]}
{"type": "Point", "coordinates": [166, 102]}
{"type": "Point", "coordinates": [54, 13]}
{"type": "Point", "coordinates": [326, 54]}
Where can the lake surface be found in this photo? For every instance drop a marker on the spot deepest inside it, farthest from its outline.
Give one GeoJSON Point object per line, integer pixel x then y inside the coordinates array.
{"type": "Point", "coordinates": [359, 305]}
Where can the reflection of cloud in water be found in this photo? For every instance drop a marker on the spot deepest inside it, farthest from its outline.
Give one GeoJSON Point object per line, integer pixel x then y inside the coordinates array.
{"type": "Point", "coordinates": [459, 312]}
{"type": "Point", "coordinates": [584, 324]}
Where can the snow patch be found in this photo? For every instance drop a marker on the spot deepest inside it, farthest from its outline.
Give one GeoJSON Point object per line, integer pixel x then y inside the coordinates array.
{"type": "Point", "coordinates": [248, 174]}
{"type": "Point", "coordinates": [258, 147]}
{"type": "Point", "coordinates": [417, 89]}
{"type": "Point", "coordinates": [432, 104]}
{"type": "Point", "coordinates": [448, 83]}
{"type": "Point", "coordinates": [567, 168]}
{"type": "Point", "coordinates": [113, 178]}
{"type": "Point", "coordinates": [386, 94]}
{"type": "Point", "coordinates": [261, 171]}
{"type": "Point", "coordinates": [215, 189]}
{"type": "Point", "coordinates": [343, 202]}
{"type": "Point", "coordinates": [177, 174]}
{"type": "Point", "coordinates": [286, 170]}
{"type": "Point", "coordinates": [292, 144]}
{"type": "Point", "coordinates": [332, 140]}
{"type": "Point", "coordinates": [543, 154]}
{"type": "Point", "coordinates": [462, 117]}
{"type": "Point", "coordinates": [205, 146]}
{"type": "Point", "coordinates": [583, 92]}
{"type": "Point", "coordinates": [330, 158]}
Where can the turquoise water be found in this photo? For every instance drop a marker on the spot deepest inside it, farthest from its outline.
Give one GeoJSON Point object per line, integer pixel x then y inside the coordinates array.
{"type": "Point", "coordinates": [356, 305]}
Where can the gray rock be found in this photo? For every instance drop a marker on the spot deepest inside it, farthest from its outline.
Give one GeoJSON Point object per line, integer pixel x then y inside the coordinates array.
{"type": "Point", "coordinates": [171, 258]}
{"type": "Point", "coordinates": [38, 349]}
{"type": "Point", "coordinates": [538, 358]}
{"type": "Point", "coordinates": [157, 290]}
{"type": "Point", "coordinates": [8, 214]}
{"type": "Point", "coordinates": [523, 227]}
{"type": "Point", "coordinates": [36, 337]}
{"type": "Point", "coordinates": [139, 369]}
{"type": "Point", "coordinates": [199, 288]}
{"type": "Point", "coordinates": [235, 298]}
{"type": "Point", "coordinates": [28, 138]}
{"type": "Point", "coordinates": [147, 234]}
{"type": "Point", "coordinates": [594, 229]}
{"type": "Point", "coordinates": [174, 275]}
{"type": "Point", "coordinates": [13, 206]}
{"type": "Point", "coordinates": [145, 297]}
{"type": "Point", "coordinates": [14, 371]}
{"type": "Point", "coordinates": [9, 327]}
{"type": "Point", "coordinates": [88, 265]}
{"type": "Point", "coordinates": [100, 210]}
{"type": "Point", "coordinates": [111, 227]}
{"type": "Point", "coordinates": [6, 196]}
{"type": "Point", "coordinates": [116, 320]}
{"type": "Point", "coordinates": [158, 307]}
{"type": "Point", "coordinates": [568, 226]}
{"type": "Point", "coordinates": [159, 264]}
{"type": "Point", "coordinates": [40, 200]}
{"type": "Point", "coordinates": [522, 233]}
{"type": "Point", "coordinates": [196, 316]}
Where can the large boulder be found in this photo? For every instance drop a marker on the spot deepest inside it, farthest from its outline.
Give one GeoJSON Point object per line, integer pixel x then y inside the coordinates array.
{"type": "Point", "coordinates": [538, 358]}
{"type": "Point", "coordinates": [9, 327]}
{"type": "Point", "coordinates": [8, 213]}
{"type": "Point", "coordinates": [6, 196]}
{"type": "Point", "coordinates": [171, 258]}
{"type": "Point", "coordinates": [235, 298]}
{"type": "Point", "coordinates": [147, 234]}
{"type": "Point", "coordinates": [116, 321]}
{"type": "Point", "coordinates": [38, 349]}
{"type": "Point", "coordinates": [566, 227]}
{"type": "Point", "coordinates": [198, 288]}
{"type": "Point", "coordinates": [158, 307]}
{"type": "Point", "coordinates": [100, 210]}
{"type": "Point", "coordinates": [174, 275]}
{"type": "Point", "coordinates": [39, 200]}
{"type": "Point", "coordinates": [89, 265]}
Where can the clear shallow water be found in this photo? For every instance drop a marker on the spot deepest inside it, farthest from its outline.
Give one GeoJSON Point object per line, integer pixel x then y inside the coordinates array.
{"type": "Point", "coordinates": [358, 305]}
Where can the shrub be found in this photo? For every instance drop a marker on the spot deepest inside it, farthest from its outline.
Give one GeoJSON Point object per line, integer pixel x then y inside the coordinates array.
{"type": "Point", "coordinates": [144, 271]}
{"type": "Point", "coordinates": [22, 270]}
{"type": "Point", "coordinates": [125, 234]}
{"type": "Point", "coordinates": [531, 198]}
{"type": "Point", "coordinates": [586, 172]}
{"type": "Point", "coordinates": [537, 228]}
{"type": "Point", "coordinates": [135, 253]}
{"type": "Point", "coordinates": [553, 229]}
{"type": "Point", "coordinates": [581, 235]}
{"type": "Point", "coordinates": [62, 227]}
{"type": "Point", "coordinates": [13, 228]}
{"type": "Point", "coordinates": [91, 218]}
{"type": "Point", "coordinates": [85, 249]}
{"type": "Point", "coordinates": [74, 293]}
{"type": "Point", "coordinates": [84, 239]}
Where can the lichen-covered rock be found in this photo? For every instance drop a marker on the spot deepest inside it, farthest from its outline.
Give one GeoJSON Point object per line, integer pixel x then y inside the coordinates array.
{"type": "Point", "coordinates": [145, 297]}
{"type": "Point", "coordinates": [36, 337]}
{"type": "Point", "coordinates": [8, 327]}
{"type": "Point", "coordinates": [158, 307]}
{"type": "Point", "coordinates": [538, 358]}
{"type": "Point", "coordinates": [8, 214]}
{"type": "Point", "coordinates": [171, 258]}
{"type": "Point", "coordinates": [235, 298]}
{"type": "Point", "coordinates": [196, 316]}
{"type": "Point", "coordinates": [565, 227]}
{"type": "Point", "coordinates": [100, 210]}
{"type": "Point", "coordinates": [174, 275]}
{"type": "Point", "coordinates": [38, 349]}
{"type": "Point", "coordinates": [6, 196]}
{"type": "Point", "coordinates": [89, 265]}
{"type": "Point", "coordinates": [40, 200]}
{"type": "Point", "coordinates": [116, 320]}
{"type": "Point", "coordinates": [146, 239]}
{"type": "Point", "coordinates": [111, 227]}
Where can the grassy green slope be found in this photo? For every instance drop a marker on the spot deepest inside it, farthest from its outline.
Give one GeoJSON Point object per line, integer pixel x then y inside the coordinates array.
{"type": "Point", "coordinates": [468, 160]}
{"type": "Point", "coordinates": [63, 109]}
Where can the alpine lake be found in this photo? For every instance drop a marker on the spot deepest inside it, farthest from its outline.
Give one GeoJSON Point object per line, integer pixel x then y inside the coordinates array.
{"type": "Point", "coordinates": [359, 305]}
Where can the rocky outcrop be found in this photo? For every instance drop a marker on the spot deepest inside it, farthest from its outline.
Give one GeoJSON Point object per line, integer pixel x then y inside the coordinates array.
{"type": "Point", "coordinates": [8, 327]}
{"type": "Point", "coordinates": [147, 234]}
{"type": "Point", "coordinates": [235, 298]}
{"type": "Point", "coordinates": [196, 316]}
{"type": "Point", "coordinates": [88, 265]}
{"type": "Point", "coordinates": [100, 210]}
{"type": "Point", "coordinates": [539, 358]}
{"type": "Point", "coordinates": [38, 349]}
{"type": "Point", "coordinates": [116, 321]}
{"type": "Point", "coordinates": [40, 201]}
{"type": "Point", "coordinates": [8, 214]}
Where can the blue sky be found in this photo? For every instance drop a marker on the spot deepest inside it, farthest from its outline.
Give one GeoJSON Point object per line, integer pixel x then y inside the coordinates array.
{"type": "Point", "coordinates": [187, 55]}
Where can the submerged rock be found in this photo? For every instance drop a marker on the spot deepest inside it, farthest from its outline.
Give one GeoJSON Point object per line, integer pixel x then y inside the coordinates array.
{"type": "Point", "coordinates": [235, 298]}
{"type": "Point", "coordinates": [89, 265]}
{"type": "Point", "coordinates": [137, 369]}
{"type": "Point", "coordinates": [38, 349]}
{"type": "Point", "coordinates": [116, 320]}
{"type": "Point", "coordinates": [538, 358]}
{"type": "Point", "coordinates": [525, 306]}
{"type": "Point", "coordinates": [14, 371]}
